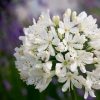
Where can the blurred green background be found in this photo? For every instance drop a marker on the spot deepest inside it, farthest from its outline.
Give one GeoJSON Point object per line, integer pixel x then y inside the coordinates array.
{"type": "Point", "coordinates": [16, 14]}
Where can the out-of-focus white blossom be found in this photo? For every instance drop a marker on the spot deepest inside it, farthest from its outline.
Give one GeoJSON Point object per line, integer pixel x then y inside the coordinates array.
{"type": "Point", "coordinates": [68, 49]}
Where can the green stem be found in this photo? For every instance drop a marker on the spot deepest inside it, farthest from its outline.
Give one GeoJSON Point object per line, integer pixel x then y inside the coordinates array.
{"type": "Point", "coordinates": [73, 94]}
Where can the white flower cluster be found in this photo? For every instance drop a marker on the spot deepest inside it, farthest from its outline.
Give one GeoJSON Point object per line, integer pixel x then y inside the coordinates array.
{"type": "Point", "coordinates": [68, 49]}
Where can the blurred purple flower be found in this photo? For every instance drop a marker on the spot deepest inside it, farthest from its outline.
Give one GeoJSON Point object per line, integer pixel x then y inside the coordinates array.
{"type": "Point", "coordinates": [80, 92]}
{"type": "Point", "coordinates": [10, 28]}
{"type": "Point", "coordinates": [42, 2]}
{"type": "Point", "coordinates": [92, 3]}
{"type": "Point", "coordinates": [7, 85]}
{"type": "Point", "coordinates": [90, 98]}
{"type": "Point", "coordinates": [89, 3]}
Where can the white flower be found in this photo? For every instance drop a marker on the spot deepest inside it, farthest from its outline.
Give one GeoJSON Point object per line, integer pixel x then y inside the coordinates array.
{"type": "Point", "coordinates": [70, 79]}
{"type": "Point", "coordinates": [82, 58]}
{"type": "Point", "coordinates": [67, 26]}
{"type": "Point", "coordinates": [44, 55]}
{"type": "Point", "coordinates": [41, 76]}
{"type": "Point", "coordinates": [95, 44]}
{"type": "Point", "coordinates": [95, 78]}
{"type": "Point", "coordinates": [95, 39]}
{"type": "Point", "coordinates": [61, 47]}
{"type": "Point", "coordinates": [64, 64]}
{"type": "Point", "coordinates": [88, 88]}
{"type": "Point", "coordinates": [47, 41]}
{"type": "Point", "coordinates": [86, 23]}
{"type": "Point", "coordinates": [68, 49]}
{"type": "Point", "coordinates": [74, 42]}
{"type": "Point", "coordinates": [24, 63]}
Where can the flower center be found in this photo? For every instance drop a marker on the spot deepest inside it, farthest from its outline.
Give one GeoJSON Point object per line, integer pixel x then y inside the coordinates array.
{"type": "Point", "coordinates": [65, 62]}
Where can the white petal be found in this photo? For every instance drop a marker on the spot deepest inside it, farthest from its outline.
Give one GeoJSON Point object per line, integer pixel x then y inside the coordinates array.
{"type": "Point", "coordinates": [73, 66]}
{"type": "Point", "coordinates": [82, 68]}
{"type": "Point", "coordinates": [30, 81]}
{"type": "Point", "coordinates": [67, 15]}
{"type": "Point", "coordinates": [95, 44]}
{"type": "Point", "coordinates": [88, 58]}
{"type": "Point", "coordinates": [86, 95]}
{"type": "Point", "coordinates": [96, 86]}
{"type": "Point", "coordinates": [62, 79]}
{"type": "Point", "coordinates": [61, 30]}
{"type": "Point", "coordinates": [61, 25]}
{"type": "Point", "coordinates": [54, 32]}
{"type": "Point", "coordinates": [66, 86]}
{"type": "Point", "coordinates": [60, 57]}
{"type": "Point", "coordinates": [47, 66]}
{"type": "Point", "coordinates": [38, 66]}
{"type": "Point", "coordinates": [81, 16]}
{"type": "Point", "coordinates": [39, 41]}
{"type": "Point", "coordinates": [67, 56]}
{"type": "Point", "coordinates": [78, 46]}
{"type": "Point", "coordinates": [51, 49]}
{"type": "Point", "coordinates": [74, 30]}
{"type": "Point", "coordinates": [50, 36]}
{"type": "Point", "coordinates": [72, 52]}
{"type": "Point", "coordinates": [91, 92]}
{"type": "Point", "coordinates": [61, 47]}
{"type": "Point", "coordinates": [42, 84]}
{"type": "Point", "coordinates": [56, 41]}
{"type": "Point", "coordinates": [42, 47]}
{"type": "Point", "coordinates": [60, 70]}
{"type": "Point", "coordinates": [76, 83]}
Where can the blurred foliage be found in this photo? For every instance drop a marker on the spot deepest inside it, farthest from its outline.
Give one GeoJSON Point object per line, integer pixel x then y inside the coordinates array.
{"type": "Point", "coordinates": [95, 11]}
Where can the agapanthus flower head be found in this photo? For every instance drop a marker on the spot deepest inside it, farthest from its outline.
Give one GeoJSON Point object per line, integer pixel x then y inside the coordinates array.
{"type": "Point", "coordinates": [68, 49]}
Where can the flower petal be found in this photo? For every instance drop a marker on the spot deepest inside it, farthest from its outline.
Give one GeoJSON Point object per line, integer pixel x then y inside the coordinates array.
{"type": "Point", "coordinates": [60, 57]}
{"type": "Point", "coordinates": [62, 79]}
{"type": "Point", "coordinates": [42, 47]}
{"type": "Point", "coordinates": [82, 68]}
{"type": "Point", "coordinates": [73, 66]}
{"type": "Point", "coordinates": [86, 95]}
{"type": "Point", "coordinates": [47, 66]}
{"type": "Point", "coordinates": [76, 83]}
{"type": "Point", "coordinates": [51, 49]}
{"type": "Point", "coordinates": [60, 70]}
{"type": "Point", "coordinates": [66, 86]}
{"type": "Point", "coordinates": [91, 92]}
